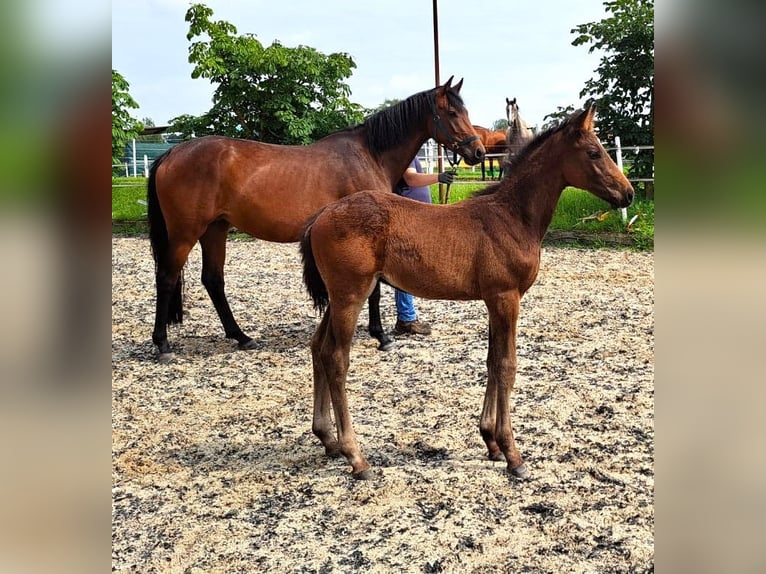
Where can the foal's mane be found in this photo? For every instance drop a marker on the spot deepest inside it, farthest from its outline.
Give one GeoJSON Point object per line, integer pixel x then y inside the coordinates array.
{"type": "Point", "coordinates": [518, 160]}
{"type": "Point", "coordinates": [389, 127]}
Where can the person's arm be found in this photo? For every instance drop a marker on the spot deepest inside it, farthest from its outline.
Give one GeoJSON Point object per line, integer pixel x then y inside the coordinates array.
{"type": "Point", "coordinates": [415, 179]}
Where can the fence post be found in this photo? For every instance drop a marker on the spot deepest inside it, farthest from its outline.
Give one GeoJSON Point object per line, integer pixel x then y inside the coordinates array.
{"type": "Point", "coordinates": [146, 166]}
{"type": "Point", "coordinates": [618, 153]}
{"type": "Point", "coordinates": [127, 170]}
{"type": "Point", "coordinates": [135, 160]}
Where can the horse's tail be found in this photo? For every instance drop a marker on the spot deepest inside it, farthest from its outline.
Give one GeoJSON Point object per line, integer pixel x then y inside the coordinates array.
{"type": "Point", "coordinates": [315, 285]}
{"type": "Point", "coordinates": [158, 238]}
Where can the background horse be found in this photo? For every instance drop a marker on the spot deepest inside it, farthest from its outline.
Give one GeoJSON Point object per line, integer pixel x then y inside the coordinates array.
{"type": "Point", "coordinates": [494, 143]}
{"type": "Point", "coordinates": [353, 243]}
{"type": "Point", "coordinates": [518, 134]}
{"type": "Point", "coordinates": [201, 188]}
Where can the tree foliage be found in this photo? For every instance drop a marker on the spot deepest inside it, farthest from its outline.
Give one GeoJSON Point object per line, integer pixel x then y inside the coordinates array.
{"type": "Point", "coordinates": [124, 126]}
{"type": "Point", "coordinates": [623, 87]}
{"type": "Point", "coordinates": [274, 94]}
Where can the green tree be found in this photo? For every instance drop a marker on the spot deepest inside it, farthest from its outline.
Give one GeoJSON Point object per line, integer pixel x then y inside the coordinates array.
{"type": "Point", "coordinates": [623, 87]}
{"type": "Point", "coordinates": [557, 117]}
{"type": "Point", "coordinates": [500, 124]}
{"type": "Point", "coordinates": [274, 94]}
{"type": "Point", "coordinates": [124, 126]}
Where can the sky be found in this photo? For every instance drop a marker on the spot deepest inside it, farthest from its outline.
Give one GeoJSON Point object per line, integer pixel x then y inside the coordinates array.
{"type": "Point", "coordinates": [511, 48]}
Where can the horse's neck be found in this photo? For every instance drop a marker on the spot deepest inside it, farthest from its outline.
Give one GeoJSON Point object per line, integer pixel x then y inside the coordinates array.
{"type": "Point", "coordinates": [533, 191]}
{"type": "Point", "coordinates": [395, 160]}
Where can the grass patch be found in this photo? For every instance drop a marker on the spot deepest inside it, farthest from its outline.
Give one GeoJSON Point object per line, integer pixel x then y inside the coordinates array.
{"type": "Point", "coordinates": [581, 211]}
{"type": "Point", "coordinates": [127, 192]}
{"type": "Point", "coordinates": [578, 212]}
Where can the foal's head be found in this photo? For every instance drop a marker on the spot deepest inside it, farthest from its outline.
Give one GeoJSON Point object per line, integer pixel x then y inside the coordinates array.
{"type": "Point", "coordinates": [588, 166]}
{"type": "Point", "coordinates": [452, 126]}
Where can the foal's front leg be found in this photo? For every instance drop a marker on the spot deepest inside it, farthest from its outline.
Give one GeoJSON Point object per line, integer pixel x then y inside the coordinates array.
{"type": "Point", "coordinates": [501, 370]}
{"type": "Point", "coordinates": [488, 420]}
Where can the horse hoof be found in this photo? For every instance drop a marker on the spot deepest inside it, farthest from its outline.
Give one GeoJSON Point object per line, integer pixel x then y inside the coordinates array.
{"type": "Point", "coordinates": [165, 358]}
{"type": "Point", "coordinates": [387, 345]}
{"type": "Point", "coordinates": [248, 345]}
{"type": "Point", "coordinates": [521, 472]}
{"type": "Point", "coordinates": [366, 474]}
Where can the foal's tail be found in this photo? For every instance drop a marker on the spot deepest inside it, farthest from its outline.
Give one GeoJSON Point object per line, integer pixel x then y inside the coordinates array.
{"type": "Point", "coordinates": [315, 285]}
{"type": "Point", "coordinates": [158, 238]}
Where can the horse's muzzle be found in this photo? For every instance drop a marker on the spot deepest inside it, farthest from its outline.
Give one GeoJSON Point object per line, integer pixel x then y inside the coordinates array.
{"type": "Point", "coordinates": [473, 156]}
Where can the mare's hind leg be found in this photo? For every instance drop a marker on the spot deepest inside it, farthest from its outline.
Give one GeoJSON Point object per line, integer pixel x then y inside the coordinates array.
{"type": "Point", "coordinates": [213, 243]}
{"type": "Point", "coordinates": [375, 325]}
{"type": "Point", "coordinates": [169, 308]}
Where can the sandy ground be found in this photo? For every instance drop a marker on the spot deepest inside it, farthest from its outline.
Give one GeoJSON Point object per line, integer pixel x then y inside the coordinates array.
{"type": "Point", "coordinates": [215, 468]}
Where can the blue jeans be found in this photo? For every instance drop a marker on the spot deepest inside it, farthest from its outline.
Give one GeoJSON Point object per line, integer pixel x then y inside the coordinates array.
{"type": "Point", "coordinates": [405, 306]}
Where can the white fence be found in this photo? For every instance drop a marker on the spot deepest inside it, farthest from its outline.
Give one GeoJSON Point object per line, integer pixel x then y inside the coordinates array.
{"type": "Point", "coordinates": [428, 155]}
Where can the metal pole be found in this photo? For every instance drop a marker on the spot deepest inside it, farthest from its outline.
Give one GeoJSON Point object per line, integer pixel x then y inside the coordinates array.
{"type": "Point", "coordinates": [618, 153]}
{"type": "Point", "coordinates": [439, 161]}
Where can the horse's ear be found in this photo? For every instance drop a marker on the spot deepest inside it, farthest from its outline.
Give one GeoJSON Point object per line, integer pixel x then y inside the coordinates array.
{"type": "Point", "coordinates": [588, 115]}
{"type": "Point", "coordinates": [507, 102]}
{"type": "Point", "coordinates": [448, 83]}
{"type": "Point", "coordinates": [459, 85]}
{"type": "Point", "coordinates": [584, 119]}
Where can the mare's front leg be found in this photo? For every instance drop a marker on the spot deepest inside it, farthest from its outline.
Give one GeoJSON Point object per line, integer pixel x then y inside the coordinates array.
{"type": "Point", "coordinates": [375, 326]}
{"type": "Point", "coordinates": [213, 243]}
{"type": "Point", "coordinates": [322, 425]}
{"type": "Point", "coordinates": [501, 369]}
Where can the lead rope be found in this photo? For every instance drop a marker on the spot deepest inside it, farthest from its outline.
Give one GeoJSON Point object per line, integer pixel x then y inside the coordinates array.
{"type": "Point", "coordinates": [452, 168]}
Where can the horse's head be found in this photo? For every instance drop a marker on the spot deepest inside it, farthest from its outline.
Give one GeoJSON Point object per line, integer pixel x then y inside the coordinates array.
{"type": "Point", "coordinates": [510, 105]}
{"type": "Point", "coordinates": [451, 125]}
{"type": "Point", "coordinates": [588, 165]}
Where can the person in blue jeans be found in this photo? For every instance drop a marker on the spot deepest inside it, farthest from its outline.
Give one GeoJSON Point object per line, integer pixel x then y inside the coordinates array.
{"type": "Point", "coordinates": [414, 184]}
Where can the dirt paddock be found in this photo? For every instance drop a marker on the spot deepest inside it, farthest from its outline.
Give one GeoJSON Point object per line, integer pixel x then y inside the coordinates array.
{"type": "Point", "coordinates": [215, 468]}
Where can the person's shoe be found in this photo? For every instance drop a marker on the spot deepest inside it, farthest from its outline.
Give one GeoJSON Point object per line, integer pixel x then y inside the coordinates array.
{"type": "Point", "coordinates": [416, 327]}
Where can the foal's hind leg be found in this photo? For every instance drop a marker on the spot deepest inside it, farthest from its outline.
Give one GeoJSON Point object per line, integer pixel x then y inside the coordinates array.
{"type": "Point", "coordinates": [334, 356]}
{"type": "Point", "coordinates": [375, 325]}
{"type": "Point", "coordinates": [322, 425]}
{"type": "Point", "coordinates": [213, 243]}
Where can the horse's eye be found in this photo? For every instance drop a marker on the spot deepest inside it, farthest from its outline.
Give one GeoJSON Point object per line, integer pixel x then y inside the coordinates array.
{"type": "Point", "coordinates": [594, 153]}
{"type": "Point", "coordinates": [452, 113]}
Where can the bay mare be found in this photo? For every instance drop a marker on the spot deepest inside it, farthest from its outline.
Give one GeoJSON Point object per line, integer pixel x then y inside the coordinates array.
{"type": "Point", "coordinates": [492, 253]}
{"type": "Point", "coordinates": [494, 143]}
{"type": "Point", "coordinates": [199, 189]}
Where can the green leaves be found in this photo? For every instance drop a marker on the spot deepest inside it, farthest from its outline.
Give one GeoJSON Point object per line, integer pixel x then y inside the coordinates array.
{"type": "Point", "coordinates": [124, 126]}
{"type": "Point", "coordinates": [623, 86]}
{"type": "Point", "coordinates": [275, 93]}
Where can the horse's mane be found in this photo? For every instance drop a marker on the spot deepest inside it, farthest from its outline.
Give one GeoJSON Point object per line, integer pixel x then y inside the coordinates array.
{"type": "Point", "coordinates": [520, 158]}
{"type": "Point", "coordinates": [389, 127]}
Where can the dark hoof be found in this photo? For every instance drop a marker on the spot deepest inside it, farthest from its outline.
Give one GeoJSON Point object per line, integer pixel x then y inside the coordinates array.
{"type": "Point", "coordinates": [248, 345]}
{"type": "Point", "coordinates": [387, 345]}
{"type": "Point", "coordinates": [166, 358]}
{"type": "Point", "coordinates": [521, 472]}
{"type": "Point", "coordinates": [364, 475]}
